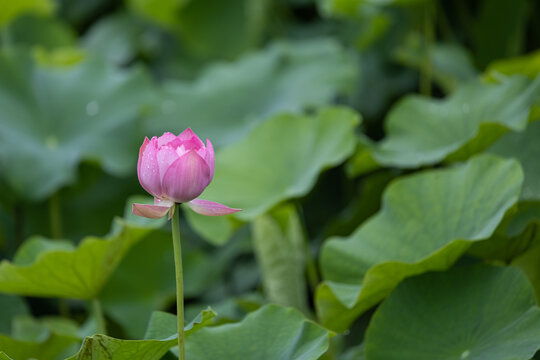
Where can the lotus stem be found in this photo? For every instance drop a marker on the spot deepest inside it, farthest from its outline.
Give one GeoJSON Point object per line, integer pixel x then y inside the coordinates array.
{"type": "Point", "coordinates": [100, 318]}
{"type": "Point", "coordinates": [177, 249]}
{"type": "Point", "coordinates": [55, 215]}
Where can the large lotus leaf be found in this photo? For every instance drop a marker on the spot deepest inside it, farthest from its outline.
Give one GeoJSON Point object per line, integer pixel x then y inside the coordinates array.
{"type": "Point", "coordinates": [48, 339]}
{"type": "Point", "coordinates": [280, 249]}
{"type": "Point", "coordinates": [280, 159]}
{"type": "Point", "coordinates": [50, 268]}
{"type": "Point", "coordinates": [426, 222]}
{"type": "Point", "coordinates": [472, 312]}
{"type": "Point", "coordinates": [528, 65]}
{"type": "Point", "coordinates": [293, 337]}
{"type": "Point", "coordinates": [54, 117]}
{"type": "Point", "coordinates": [272, 332]}
{"type": "Point", "coordinates": [104, 347]}
{"type": "Point", "coordinates": [121, 37]}
{"type": "Point", "coordinates": [424, 131]}
{"type": "Point", "coordinates": [524, 146]}
{"type": "Point", "coordinates": [227, 100]}
{"type": "Point", "coordinates": [10, 10]}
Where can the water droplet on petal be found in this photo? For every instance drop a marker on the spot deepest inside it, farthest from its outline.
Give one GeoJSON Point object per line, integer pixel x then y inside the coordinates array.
{"type": "Point", "coordinates": [92, 108]}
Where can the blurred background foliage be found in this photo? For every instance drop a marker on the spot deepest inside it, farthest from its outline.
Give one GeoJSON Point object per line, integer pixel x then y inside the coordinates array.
{"type": "Point", "coordinates": [314, 108]}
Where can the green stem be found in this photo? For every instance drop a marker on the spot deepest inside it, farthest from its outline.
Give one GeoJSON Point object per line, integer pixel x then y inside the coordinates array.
{"type": "Point", "coordinates": [177, 248]}
{"type": "Point", "coordinates": [100, 319]}
{"type": "Point", "coordinates": [55, 215]}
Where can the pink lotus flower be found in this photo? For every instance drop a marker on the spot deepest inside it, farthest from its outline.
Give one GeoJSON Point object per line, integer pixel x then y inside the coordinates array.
{"type": "Point", "coordinates": [177, 169]}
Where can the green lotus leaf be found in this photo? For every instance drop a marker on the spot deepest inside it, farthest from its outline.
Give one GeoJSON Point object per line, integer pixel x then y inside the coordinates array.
{"type": "Point", "coordinates": [163, 325]}
{"type": "Point", "coordinates": [427, 221]}
{"type": "Point", "coordinates": [52, 268]}
{"type": "Point", "coordinates": [525, 147]}
{"type": "Point", "coordinates": [280, 249]}
{"type": "Point", "coordinates": [227, 100]}
{"type": "Point", "coordinates": [467, 313]}
{"type": "Point", "coordinates": [10, 307]}
{"type": "Point", "coordinates": [10, 10]}
{"type": "Point", "coordinates": [293, 338]}
{"type": "Point", "coordinates": [32, 30]}
{"type": "Point", "coordinates": [352, 7]}
{"type": "Point", "coordinates": [255, 174]}
{"type": "Point", "coordinates": [528, 65]}
{"type": "Point", "coordinates": [47, 339]}
{"type": "Point", "coordinates": [474, 117]}
{"type": "Point", "coordinates": [451, 63]}
{"type": "Point", "coordinates": [49, 122]}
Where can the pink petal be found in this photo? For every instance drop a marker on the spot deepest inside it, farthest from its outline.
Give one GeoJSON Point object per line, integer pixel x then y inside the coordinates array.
{"type": "Point", "coordinates": [147, 167]}
{"type": "Point", "coordinates": [150, 211]}
{"type": "Point", "coordinates": [186, 178]}
{"type": "Point", "coordinates": [210, 208]}
{"type": "Point", "coordinates": [166, 138]}
{"type": "Point", "coordinates": [165, 157]}
{"type": "Point", "coordinates": [188, 134]}
{"type": "Point", "coordinates": [210, 158]}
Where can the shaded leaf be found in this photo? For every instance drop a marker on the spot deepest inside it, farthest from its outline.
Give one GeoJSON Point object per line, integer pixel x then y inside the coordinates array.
{"type": "Point", "coordinates": [426, 222]}
{"type": "Point", "coordinates": [227, 100]}
{"type": "Point", "coordinates": [525, 147]}
{"type": "Point", "coordinates": [40, 339]}
{"type": "Point", "coordinates": [49, 122]}
{"type": "Point", "coordinates": [32, 30]}
{"type": "Point", "coordinates": [215, 229]}
{"type": "Point", "coordinates": [211, 29]}
{"type": "Point", "coordinates": [472, 312]}
{"type": "Point", "coordinates": [280, 249]}
{"type": "Point", "coordinates": [451, 63]}
{"type": "Point", "coordinates": [11, 307]}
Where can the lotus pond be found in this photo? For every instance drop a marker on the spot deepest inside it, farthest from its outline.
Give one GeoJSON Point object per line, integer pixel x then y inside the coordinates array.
{"type": "Point", "coordinates": [384, 154]}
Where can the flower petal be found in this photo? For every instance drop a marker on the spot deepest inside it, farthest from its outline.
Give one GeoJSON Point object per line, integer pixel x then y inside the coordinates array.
{"type": "Point", "coordinates": [210, 208]}
{"type": "Point", "coordinates": [186, 178]}
{"type": "Point", "coordinates": [165, 157]}
{"type": "Point", "coordinates": [147, 167]}
{"type": "Point", "coordinates": [166, 138]}
{"type": "Point", "coordinates": [150, 211]}
{"type": "Point", "coordinates": [210, 158]}
{"type": "Point", "coordinates": [188, 135]}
